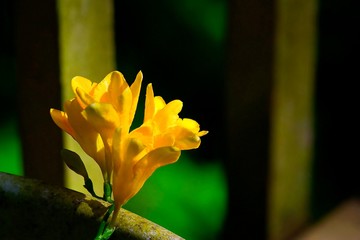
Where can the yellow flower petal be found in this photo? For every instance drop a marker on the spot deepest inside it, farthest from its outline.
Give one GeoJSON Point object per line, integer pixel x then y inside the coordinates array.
{"type": "Point", "coordinates": [117, 149]}
{"type": "Point", "coordinates": [101, 116]}
{"type": "Point", "coordinates": [81, 82]}
{"type": "Point", "coordinates": [149, 103]}
{"type": "Point", "coordinates": [101, 91]}
{"type": "Point", "coordinates": [163, 140]}
{"type": "Point", "coordinates": [144, 133]}
{"type": "Point", "coordinates": [61, 120]}
{"type": "Point", "coordinates": [124, 104]}
{"type": "Point", "coordinates": [84, 133]}
{"type": "Point", "coordinates": [192, 125]}
{"type": "Point", "coordinates": [126, 184]}
{"type": "Point", "coordinates": [153, 160]}
{"type": "Point", "coordinates": [189, 124]}
{"type": "Point", "coordinates": [168, 116]}
{"type": "Point", "coordinates": [159, 104]}
{"type": "Point", "coordinates": [134, 150]}
{"type": "Point", "coordinates": [117, 86]}
{"type": "Point", "coordinates": [83, 97]}
{"type": "Point", "coordinates": [202, 133]}
{"type": "Point", "coordinates": [186, 139]}
{"type": "Point", "coordinates": [135, 90]}
{"type": "Point", "coordinates": [76, 120]}
{"type": "Point", "coordinates": [143, 130]}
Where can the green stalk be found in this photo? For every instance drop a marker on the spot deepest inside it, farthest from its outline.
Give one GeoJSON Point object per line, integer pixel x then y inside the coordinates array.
{"type": "Point", "coordinates": [105, 230]}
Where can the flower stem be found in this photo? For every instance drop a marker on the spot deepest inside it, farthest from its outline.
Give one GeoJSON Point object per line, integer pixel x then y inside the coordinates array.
{"type": "Point", "coordinates": [107, 192]}
{"type": "Point", "coordinates": [105, 230]}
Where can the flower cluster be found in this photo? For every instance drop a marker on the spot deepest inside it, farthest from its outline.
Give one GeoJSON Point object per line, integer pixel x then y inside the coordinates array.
{"type": "Point", "coordinates": [99, 118]}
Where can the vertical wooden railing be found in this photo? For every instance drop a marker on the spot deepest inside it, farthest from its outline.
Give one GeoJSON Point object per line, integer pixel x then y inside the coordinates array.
{"type": "Point", "coordinates": [37, 73]}
{"type": "Point", "coordinates": [55, 41]}
{"type": "Point", "coordinates": [269, 99]}
{"type": "Point", "coordinates": [87, 49]}
{"type": "Point", "coordinates": [292, 118]}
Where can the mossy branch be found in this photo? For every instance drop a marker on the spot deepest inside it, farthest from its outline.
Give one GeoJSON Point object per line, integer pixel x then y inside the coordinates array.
{"type": "Point", "coordinates": [43, 211]}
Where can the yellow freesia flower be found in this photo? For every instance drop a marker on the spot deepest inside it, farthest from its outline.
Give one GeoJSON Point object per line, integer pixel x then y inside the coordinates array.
{"type": "Point", "coordinates": [99, 119]}
{"type": "Point", "coordinates": [157, 142]}
{"type": "Point", "coordinates": [96, 111]}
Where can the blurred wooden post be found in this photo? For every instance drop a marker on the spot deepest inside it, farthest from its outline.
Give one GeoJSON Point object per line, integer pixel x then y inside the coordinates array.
{"type": "Point", "coordinates": [292, 118]}
{"type": "Point", "coordinates": [269, 126]}
{"type": "Point", "coordinates": [37, 72]}
{"type": "Point", "coordinates": [87, 49]}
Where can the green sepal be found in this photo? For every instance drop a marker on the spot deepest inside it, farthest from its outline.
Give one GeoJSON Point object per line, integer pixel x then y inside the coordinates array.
{"type": "Point", "coordinates": [107, 192]}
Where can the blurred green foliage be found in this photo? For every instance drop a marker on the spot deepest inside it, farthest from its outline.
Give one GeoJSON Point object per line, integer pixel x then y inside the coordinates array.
{"type": "Point", "coordinates": [10, 154]}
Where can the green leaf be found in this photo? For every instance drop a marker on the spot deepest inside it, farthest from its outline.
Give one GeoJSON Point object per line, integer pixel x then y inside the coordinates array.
{"type": "Point", "coordinates": [74, 162]}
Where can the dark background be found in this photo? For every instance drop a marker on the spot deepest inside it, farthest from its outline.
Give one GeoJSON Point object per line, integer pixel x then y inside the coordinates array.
{"type": "Point", "coordinates": [171, 46]}
{"type": "Point", "coordinates": [336, 163]}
